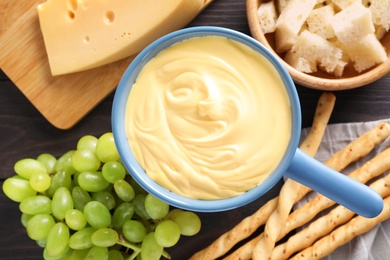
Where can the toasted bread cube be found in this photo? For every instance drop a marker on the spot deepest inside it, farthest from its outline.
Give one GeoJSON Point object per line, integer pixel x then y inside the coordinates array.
{"type": "Point", "coordinates": [366, 53]}
{"type": "Point", "coordinates": [267, 16]}
{"type": "Point", "coordinates": [353, 24]}
{"type": "Point", "coordinates": [319, 21]}
{"type": "Point", "coordinates": [380, 10]}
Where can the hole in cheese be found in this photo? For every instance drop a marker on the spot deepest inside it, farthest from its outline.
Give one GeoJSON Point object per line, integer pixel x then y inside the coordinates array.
{"type": "Point", "coordinates": [86, 39]}
{"type": "Point", "coordinates": [109, 17]}
{"type": "Point", "coordinates": [71, 15]}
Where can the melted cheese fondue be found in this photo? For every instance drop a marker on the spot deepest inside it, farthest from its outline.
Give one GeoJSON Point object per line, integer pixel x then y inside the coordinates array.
{"type": "Point", "coordinates": [208, 118]}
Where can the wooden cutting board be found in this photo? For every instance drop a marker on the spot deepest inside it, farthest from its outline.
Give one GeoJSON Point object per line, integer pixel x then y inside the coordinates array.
{"type": "Point", "coordinates": [62, 100]}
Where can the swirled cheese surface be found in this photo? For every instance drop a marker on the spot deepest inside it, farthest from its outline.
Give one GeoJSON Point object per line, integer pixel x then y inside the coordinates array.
{"type": "Point", "coordinates": [208, 118]}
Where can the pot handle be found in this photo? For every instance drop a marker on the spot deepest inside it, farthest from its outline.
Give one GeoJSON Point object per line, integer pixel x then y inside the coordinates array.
{"type": "Point", "coordinates": [338, 187]}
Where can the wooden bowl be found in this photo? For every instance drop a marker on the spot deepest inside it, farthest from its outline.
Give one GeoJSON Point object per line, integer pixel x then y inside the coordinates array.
{"type": "Point", "coordinates": [318, 80]}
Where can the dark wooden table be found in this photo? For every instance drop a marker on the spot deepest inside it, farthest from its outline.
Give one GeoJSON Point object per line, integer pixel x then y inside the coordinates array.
{"type": "Point", "coordinates": [24, 132]}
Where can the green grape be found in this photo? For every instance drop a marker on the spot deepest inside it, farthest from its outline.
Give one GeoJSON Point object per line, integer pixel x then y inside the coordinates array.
{"type": "Point", "coordinates": [150, 249]}
{"type": "Point", "coordinates": [62, 202]}
{"type": "Point", "coordinates": [80, 197]}
{"type": "Point", "coordinates": [97, 253]}
{"type": "Point", "coordinates": [24, 218]}
{"type": "Point", "coordinates": [124, 190]}
{"type": "Point", "coordinates": [97, 215]}
{"type": "Point", "coordinates": [39, 226]}
{"type": "Point", "coordinates": [167, 233]}
{"type": "Point", "coordinates": [188, 222]}
{"type": "Point", "coordinates": [41, 242]}
{"type": "Point", "coordinates": [122, 213]}
{"type": "Point", "coordinates": [85, 160]}
{"type": "Point", "coordinates": [40, 181]}
{"type": "Point", "coordinates": [156, 208]}
{"type": "Point", "coordinates": [139, 206]}
{"type": "Point", "coordinates": [75, 219]}
{"type": "Point", "coordinates": [113, 171]}
{"type": "Point", "coordinates": [60, 179]}
{"type": "Point", "coordinates": [49, 161]}
{"type": "Point", "coordinates": [105, 198]}
{"type": "Point", "coordinates": [57, 239]}
{"type": "Point", "coordinates": [114, 254]}
{"type": "Point", "coordinates": [172, 214]}
{"type": "Point", "coordinates": [104, 237]}
{"type": "Point", "coordinates": [81, 239]}
{"type": "Point", "coordinates": [92, 181]}
{"type": "Point", "coordinates": [64, 163]}
{"type": "Point", "coordinates": [17, 189]}
{"type": "Point", "coordinates": [78, 254]}
{"type": "Point", "coordinates": [87, 142]}
{"type": "Point", "coordinates": [106, 149]}
{"type": "Point", "coordinates": [27, 167]}
{"type": "Point", "coordinates": [134, 231]}
{"type": "Point", "coordinates": [36, 205]}
{"type": "Point", "coordinates": [57, 257]}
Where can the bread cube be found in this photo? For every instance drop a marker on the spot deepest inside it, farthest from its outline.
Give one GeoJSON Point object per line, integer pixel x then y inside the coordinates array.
{"type": "Point", "coordinates": [318, 50]}
{"type": "Point", "coordinates": [353, 24]}
{"type": "Point", "coordinates": [290, 22]}
{"type": "Point", "coordinates": [380, 32]}
{"type": "Point", "coordinates": [281, 4]}
{"type": "Point", "coordinates": [267, 16]}
{"type": "Point", "coordinates": [342, 4]}
{"type": "Point", "coordinates": [319, 21]}
{"type": "Point", "coordinates": [366, 53]}
{"type": "Point", "coordinates": [380, 10]}
{"type": "Point", "coordinates": [300, 63]}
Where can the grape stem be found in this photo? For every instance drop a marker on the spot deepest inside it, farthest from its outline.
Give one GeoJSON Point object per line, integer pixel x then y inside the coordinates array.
{"type": "Point", "coordinates": [136, 249]}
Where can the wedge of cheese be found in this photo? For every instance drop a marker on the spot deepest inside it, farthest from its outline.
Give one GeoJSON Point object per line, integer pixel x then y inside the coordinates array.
{"type": "Point", "coordinates": [84, 34]}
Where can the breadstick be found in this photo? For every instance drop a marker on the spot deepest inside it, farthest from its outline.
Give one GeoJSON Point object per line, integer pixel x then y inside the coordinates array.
{"type": "Point", "coordinates": [241, 231]}
{"type": "Point", "coordinates": [273, 230]}
{"type": "Point", "coordinates": [371, 169]}
{"type": "Point", "coordinates": [342, 235]}
{"type": "Point", "coordinates": [355, 150]}
{"type": "Point", "coordinates": [225, 242]}
{"type": "Point", "coordinates": [291, 189]}
{"type": "Point", "coordinates": [325, 224]}
{"type": "Point", "coordinates": [321, 117]}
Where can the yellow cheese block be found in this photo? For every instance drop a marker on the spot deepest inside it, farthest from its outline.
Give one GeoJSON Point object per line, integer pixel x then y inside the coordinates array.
{"type": "Point", "coordinates": [84, 34]}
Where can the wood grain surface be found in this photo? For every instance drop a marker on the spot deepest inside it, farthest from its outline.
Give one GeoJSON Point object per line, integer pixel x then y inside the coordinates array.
{"type": "Point", "coordinates": [24, 132]}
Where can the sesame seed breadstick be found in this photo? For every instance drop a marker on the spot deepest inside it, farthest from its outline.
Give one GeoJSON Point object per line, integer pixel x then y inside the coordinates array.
{"type": "Point", "coordinates": [344, 234]}
{"type": "Point", "coordinates": [225, 242]}
{"type": "Point", "coordinates": [325, 224]}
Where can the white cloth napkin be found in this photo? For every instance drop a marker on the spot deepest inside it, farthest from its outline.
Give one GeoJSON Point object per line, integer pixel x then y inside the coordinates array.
{"type": "Point", "coordinates": [376, 243]}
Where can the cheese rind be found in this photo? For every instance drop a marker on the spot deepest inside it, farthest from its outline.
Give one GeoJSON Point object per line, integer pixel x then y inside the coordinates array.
{"type": "Point", "coordinates": [84, 34]}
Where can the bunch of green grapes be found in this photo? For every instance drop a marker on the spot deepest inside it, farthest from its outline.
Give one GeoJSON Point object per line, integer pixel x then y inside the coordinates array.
{"type": "Point", "coordinates": [84, 205]}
